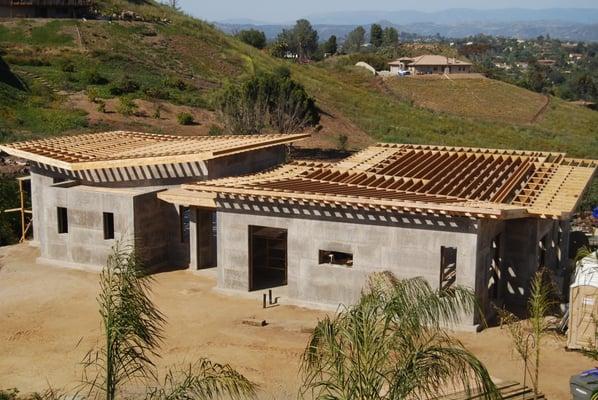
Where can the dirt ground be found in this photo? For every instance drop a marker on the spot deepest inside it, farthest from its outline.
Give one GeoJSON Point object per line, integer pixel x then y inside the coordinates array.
{"type": "Point", "coordinates": [326, 137]}
{"type": "Point", "coordinates": [49, 320]}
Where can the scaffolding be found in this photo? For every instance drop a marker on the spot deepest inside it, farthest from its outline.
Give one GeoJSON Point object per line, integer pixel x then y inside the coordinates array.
{"type": "Point", "coordinates": [22, 209]}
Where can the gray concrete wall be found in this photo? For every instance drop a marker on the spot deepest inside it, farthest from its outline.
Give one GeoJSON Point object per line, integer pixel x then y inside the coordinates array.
{"type": "Point", "coordinates": [154, 225]}
{"type": "Point", "coordinates": [248, 162]}
{"type": "Point", "coordinates": [407, 246]}
{"type": "Point", "coordinates": [489, 230]}
{"type": "Point", "coordinates": [158, 236]}
{"type": "Point", "coordinates": [84, 243]}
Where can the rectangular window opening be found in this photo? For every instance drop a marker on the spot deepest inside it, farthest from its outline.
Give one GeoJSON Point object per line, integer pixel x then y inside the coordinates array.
{"type": "Point", "coordinates": [184, 223]}
{"type": "Point", "coordinates": [63, 220]}
{"type": "Point", "coordinates": [108, 226]}
{"type": "Point", "coordinates": [448, 267]}
{"type": "Point", "coordinates": [335, 258]}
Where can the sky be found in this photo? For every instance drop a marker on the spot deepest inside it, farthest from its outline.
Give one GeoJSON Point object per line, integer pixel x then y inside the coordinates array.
{"type": "Point", "coordinates": [285, 10]}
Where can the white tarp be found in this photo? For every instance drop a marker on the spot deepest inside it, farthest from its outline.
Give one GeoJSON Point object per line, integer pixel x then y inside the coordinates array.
{"type": "Point", "coordinates": [586, 273]}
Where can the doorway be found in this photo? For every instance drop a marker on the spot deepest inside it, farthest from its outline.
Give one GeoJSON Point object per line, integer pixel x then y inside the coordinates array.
{"type": "Point", "coordinates": [267, 257]}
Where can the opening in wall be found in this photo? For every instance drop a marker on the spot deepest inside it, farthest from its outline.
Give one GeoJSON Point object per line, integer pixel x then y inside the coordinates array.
{"type": "Point", "coordinates": [184, 223]}
{"type": "Point", "coordinates": [267, 257]}
{"type": "Point", "coordinates": [63, 220]}
{"type": "Point", "coordinates": [335, 258]}
{"type": "Point", "coordinates": [448, 267]}
{"type": "Point", "coordinates": [108, 225]}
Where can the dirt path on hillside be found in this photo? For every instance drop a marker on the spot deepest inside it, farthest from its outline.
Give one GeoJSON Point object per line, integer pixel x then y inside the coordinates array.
{"type": "Point", "coordinates": [49, 320]}
{"type": "Point", "coordinates": [542, 110]}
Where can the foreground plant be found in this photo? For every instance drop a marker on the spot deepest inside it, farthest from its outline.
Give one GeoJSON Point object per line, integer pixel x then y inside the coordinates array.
{"type": "Point", "coordinates": [528, 335]}
{"type": "Point", "coordinates": [132, 329]}
{"type": "Point", "coordinates": [391, 345]}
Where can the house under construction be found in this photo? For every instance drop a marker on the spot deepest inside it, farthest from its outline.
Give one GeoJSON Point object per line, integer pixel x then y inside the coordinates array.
{"type": "Point", "coordinates": [44, 8]}
{"type": "Point", "coordinates": [89, 190]}
{"type": "Point", "coordinates": [482, 218]}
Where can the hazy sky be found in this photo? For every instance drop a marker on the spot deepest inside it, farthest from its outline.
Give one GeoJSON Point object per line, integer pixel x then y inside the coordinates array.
{"type": "Point", "coordinates": [284, 10]}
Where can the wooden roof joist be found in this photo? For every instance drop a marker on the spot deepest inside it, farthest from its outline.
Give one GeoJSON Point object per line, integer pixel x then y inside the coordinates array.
{"type": "Point", "coordinates": [431, 180]}
{"type": "Point", "coordinates": [132, 149]}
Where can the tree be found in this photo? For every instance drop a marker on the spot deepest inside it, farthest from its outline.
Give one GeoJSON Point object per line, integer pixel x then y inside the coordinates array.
{"type": "Point", "coordinates": [390, 345]}
{"type": "Point", "coordinates": [253, 37]}
{"type": "Point", "coordinates": [528, 335]}
{"type": "Point", "coordinates": [132, 328]}
{"type": "Point", "coordinates": [355, 40]}
{"type": "Point", "coordinates": [376, 35]}
{"type": "Point", "coordinates": [390, 37]}
{"type": "Point", "coordinates": [304, 39]}
{"type": "Point", "coordinates": [174, 4]}
{"type": "Point", "coordinates": [330, 46]}
{"type": "Point", "coordinates": [272, 99]}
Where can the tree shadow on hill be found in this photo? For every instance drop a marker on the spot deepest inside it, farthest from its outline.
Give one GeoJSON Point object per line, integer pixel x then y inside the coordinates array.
{"type": "Point", "coordinates": [8, 77]}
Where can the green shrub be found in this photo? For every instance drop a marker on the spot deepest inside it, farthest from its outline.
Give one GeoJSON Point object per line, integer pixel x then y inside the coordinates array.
{"type": "Point", "coordinates": [126, 106]}
{"type": "Point", "coordinates": [156, 93]}
{"type": "Point", "coordinates": [273, 100]}
{"type": "Point", "coordinates": [343, 141]}
{"type": "Point", "coordinates": [67, 66]}
{"type": "Point", "coordinates": [215, 130]}
{"type": "Point", "coordinates": [93, 77]}
{"type": "Point", "coordinates": [92, 94]}
{"type": "Point", "coordinates": [125, 85]}
{"type": "Point", "coordinates": [185, 118]}
{"type": "Point", "coordinates": [253, 37]}
{"type": "Point", "coordinates": [9, 394]}
{"type": "Point", "coordinates": [176, 83]}
{"type": "Point", "coordinates": [158, 112]}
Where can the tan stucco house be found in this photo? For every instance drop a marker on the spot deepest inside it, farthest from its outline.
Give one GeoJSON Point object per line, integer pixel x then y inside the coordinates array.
{"type": "Point", "coordinates": [429, 64]}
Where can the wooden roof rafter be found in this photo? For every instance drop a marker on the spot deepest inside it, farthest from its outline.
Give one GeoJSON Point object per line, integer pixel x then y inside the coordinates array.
{"type": "Point", "coordinates": [441, 180]}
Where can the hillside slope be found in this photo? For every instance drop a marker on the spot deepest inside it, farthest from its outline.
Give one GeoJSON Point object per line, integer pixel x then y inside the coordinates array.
{"type": "Point", "coordinates": [180, 65]}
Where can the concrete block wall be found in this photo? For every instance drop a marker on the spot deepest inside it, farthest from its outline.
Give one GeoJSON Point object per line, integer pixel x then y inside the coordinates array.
{"type": "Point", "coordinates": [158, 232]}
{"type": "Point", "coordinates": [407, 246]}
{"type": "Point", "coordinates": [84, 244]}
{"type": "Point", "coordinates": [248, 162]}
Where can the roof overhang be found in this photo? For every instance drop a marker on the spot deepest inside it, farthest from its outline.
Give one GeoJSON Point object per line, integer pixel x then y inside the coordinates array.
{"type": "Point", "coordinates": [150, 160]}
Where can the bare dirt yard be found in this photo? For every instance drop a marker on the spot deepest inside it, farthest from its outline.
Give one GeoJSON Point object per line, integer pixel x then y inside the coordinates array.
{"type": "Point", "coordinates": [49, 321]}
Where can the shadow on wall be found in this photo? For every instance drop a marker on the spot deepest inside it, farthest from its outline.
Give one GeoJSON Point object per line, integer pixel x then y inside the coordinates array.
{"type": "Point", "coordinates": [8, 77]}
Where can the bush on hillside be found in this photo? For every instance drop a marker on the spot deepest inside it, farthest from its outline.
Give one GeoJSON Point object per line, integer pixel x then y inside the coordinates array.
{"type": "Point", "coordinates": [124, 86]}
{"type": "Point", "coordinates": [93, 77]}
{"type": "Point", "coordinates": [267, 99]}
{"type": "Point", "coordinates": [185, 118]}
{"type": "Point", "coordinates": [126, 106]}
{"type": "Point", "coordinates": [253, 37]}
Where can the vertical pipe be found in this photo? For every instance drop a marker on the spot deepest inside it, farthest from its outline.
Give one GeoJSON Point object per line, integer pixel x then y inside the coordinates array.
{"type": "Point", "coordinates": [22, 196]}
{"type": "Point", "coordinates": [264, 301]}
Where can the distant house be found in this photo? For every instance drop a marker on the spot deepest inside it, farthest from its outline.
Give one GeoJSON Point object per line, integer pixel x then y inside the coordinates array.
{"type": "Point", "coordinates": [44, 8]}
{"type": "Point", "coordinates": [429, 64]}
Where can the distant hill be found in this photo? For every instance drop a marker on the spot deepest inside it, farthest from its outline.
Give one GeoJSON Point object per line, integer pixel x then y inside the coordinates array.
{"type": "Point", "coordinates": [172, 63]}
{"type": "Point", "coordinates": [565, 23]}
{"type": "Point", "coordinates": [520, 30]}
{"type": "Point", "coordinates": [459, 15]}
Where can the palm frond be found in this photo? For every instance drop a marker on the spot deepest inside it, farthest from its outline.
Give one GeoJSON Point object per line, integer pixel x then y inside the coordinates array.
{"type": "Point", "coordinates": [203, 380]}
{"type": "Point", "coordinates": [378, 348]}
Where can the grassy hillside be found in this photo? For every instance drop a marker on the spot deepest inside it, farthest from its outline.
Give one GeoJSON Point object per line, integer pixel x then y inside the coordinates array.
{"type": "Point", "coordinates": [184, 62]}
{"type": "Point", "coordinates": [478, 98]}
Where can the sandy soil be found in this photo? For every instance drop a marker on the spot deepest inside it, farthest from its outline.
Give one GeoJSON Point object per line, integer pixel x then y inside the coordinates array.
{"type": "Point", "coordinates": [49, 320]}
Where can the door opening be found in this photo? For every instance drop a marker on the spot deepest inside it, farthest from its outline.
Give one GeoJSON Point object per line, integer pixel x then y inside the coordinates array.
{"type": "Point", "coordinates": [206, 239]}
{"type": "Point", "coordinates": [267, 257]}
